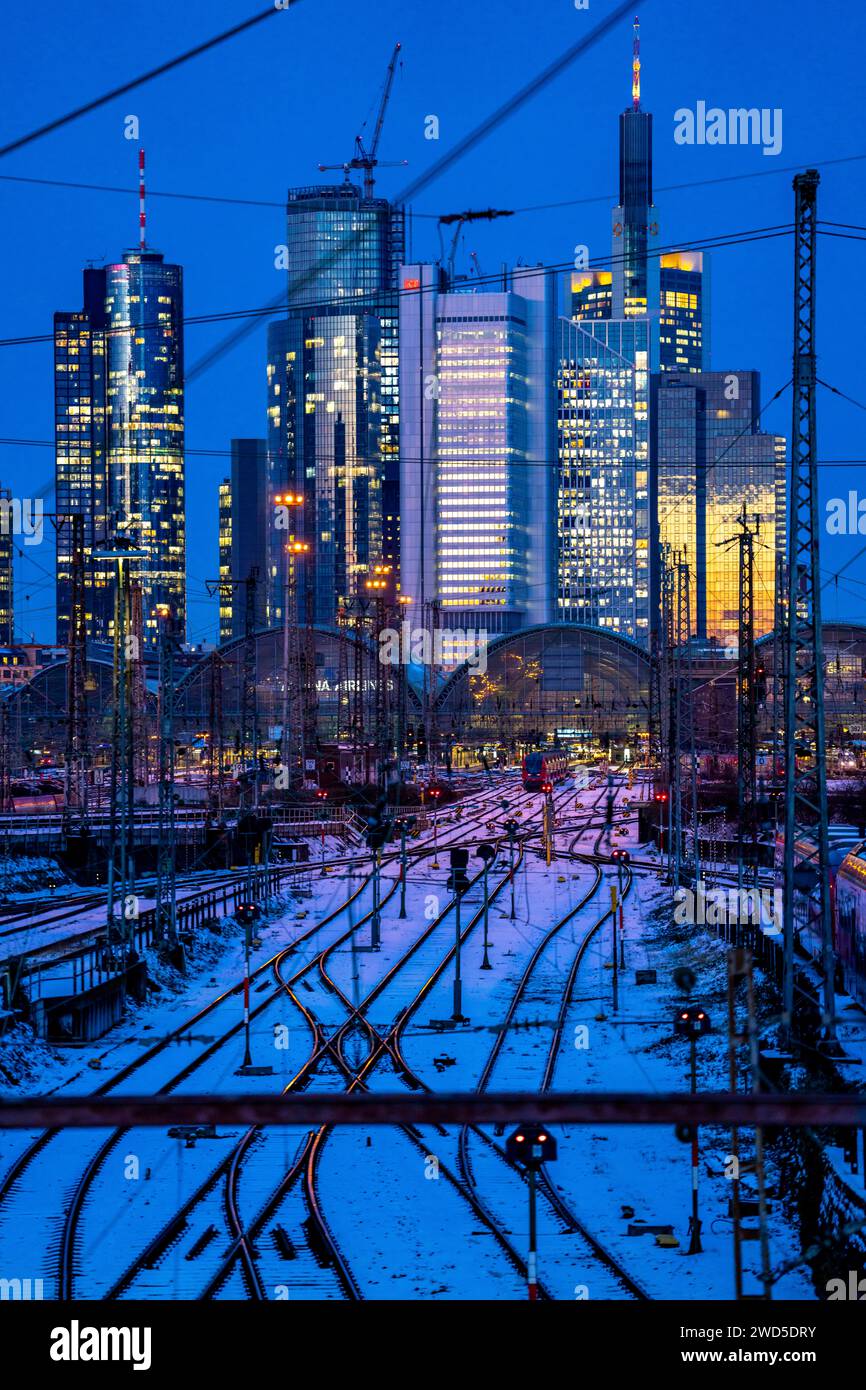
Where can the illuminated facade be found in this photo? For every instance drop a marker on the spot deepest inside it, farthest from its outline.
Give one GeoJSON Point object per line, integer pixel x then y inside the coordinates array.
{"type": "Point", "coordinates": [225, 559]}
{"type": "Point", "coordinates": [683, 311]}
{"type": "Point", "coordinates": [634, 221]}
{"type": "Point", "coordinates": [243, 523]}
{"type": "Point", "coordinates": [478, 445]}
{"type": "Point", "coordinates": [7, 609]}
{"type": "Point", "coordinates": [119, 425]}
{"type": "Point", "coordinates": [332, 382]}
{"type": "Point", "coordinates": [591, 294]}
{"type": "Point", "coordinates": [670, 287]}
{"type": "Point", "coordinates": [81, 466]}
{"type": "Point", "coordinates": [602, 485]}
{"type": "Point", "coordinates": [709, 459]}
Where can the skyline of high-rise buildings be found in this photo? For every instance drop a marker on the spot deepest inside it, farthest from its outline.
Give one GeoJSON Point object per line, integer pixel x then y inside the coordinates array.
{"type": "Point", "coordinates": [509, 463]}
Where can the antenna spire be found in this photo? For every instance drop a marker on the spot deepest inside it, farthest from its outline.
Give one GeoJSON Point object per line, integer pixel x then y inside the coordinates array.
{"type": "Point", "coordinates": [635, 66]}
{"type": "Point", "coordinates": [142, 216]}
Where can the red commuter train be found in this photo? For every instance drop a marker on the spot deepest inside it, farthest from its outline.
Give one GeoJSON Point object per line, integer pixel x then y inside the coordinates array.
{"type": "Point", "coordinates": [539, 768]}
{"type": "Point", "coordinates": [849, 903]}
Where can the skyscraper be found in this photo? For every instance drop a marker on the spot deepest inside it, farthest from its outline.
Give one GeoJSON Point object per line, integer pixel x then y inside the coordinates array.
{"type": "Point", "coordinates": [668, 287]}
{"type": "Point", "coordinates": [477, 484]}
{"type": "Point", "coordinates": [243, 523]}
{"type": "Point", "coordinates": [119, 427]}
{"type": "Point", "coordinates": [333, 392]}
{"type": "Point", "coordinates": [684, 312]}
{"type": "Point", "coordinates": [81, 467]}
{"type": "Point", "coordinates": [225, 595]}
{"type": "Point", "coordinates": [634, 219]}
{"type": "Point", "coordinates": [603, 480]}
{"type": "Point", "coordinates": [710, 459]}
{"type": "Point", "coordinates": [7, 611]}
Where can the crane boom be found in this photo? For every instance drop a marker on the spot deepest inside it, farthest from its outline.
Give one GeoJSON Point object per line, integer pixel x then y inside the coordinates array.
{"type": "Point", "coordinates": [366, 159]}
{"type": "Point", "coordinates": [383, 105]}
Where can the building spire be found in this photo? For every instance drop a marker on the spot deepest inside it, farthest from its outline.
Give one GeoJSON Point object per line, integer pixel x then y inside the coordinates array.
{"type": "Point", "coordinates": [142, 216]}
{"type": "Point", "coordinates": [635, 66]}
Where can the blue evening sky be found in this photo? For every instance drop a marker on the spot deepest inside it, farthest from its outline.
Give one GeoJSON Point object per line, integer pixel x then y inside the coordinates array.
{"type": "Point", "coordinates": [258, 114]}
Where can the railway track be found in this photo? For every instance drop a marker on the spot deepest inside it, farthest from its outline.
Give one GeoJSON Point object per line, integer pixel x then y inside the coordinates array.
{"type": "Point", "coordinates": [303, 1169]}
{"type": "Point", "coordinates": [66, 1247]}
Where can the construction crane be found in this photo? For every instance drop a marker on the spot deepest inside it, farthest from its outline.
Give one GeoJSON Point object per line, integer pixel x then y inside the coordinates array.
{"type": "Point", "coordinates": [366, 159]}
{"type": "Point", "coordinates": [458, 220]}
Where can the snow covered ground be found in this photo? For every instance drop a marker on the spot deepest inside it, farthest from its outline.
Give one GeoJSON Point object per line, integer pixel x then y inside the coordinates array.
{"type": "Point", "coordinates": [399, 1204]}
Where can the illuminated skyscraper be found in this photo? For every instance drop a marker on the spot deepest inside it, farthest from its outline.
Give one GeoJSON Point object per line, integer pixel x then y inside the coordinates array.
{"type": "Point", "coordinates": [670, 288]}
{"type": "Point", "coordinates": [684, 312]}
{"type": "Point", "coordinates": [602, 486]}
{"type": "Point", "coordinates": [225, 560]}
{"type": "Point", "coordinates": [7, 612]}
{"type": "Point", "coordinates": [333, 392]}
{"type": "Point", "coordinates": [709, 460]}
{"type": "Point", "coordinates": [243, 522]}
{"type": "Point", "coordinates": [478, 448]}
{"type": "Point", "coordinates": [634, 219]}
{"type": "Point", "coordinates": [119, 426]}
{"type": "Point", "coordinates": [81, 467]}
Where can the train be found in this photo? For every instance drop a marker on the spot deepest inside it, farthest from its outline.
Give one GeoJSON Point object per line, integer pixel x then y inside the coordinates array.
{"type": "Point", "coordinates": [847, 883]}
{"type": "Point", "coordinates": [539, 768]}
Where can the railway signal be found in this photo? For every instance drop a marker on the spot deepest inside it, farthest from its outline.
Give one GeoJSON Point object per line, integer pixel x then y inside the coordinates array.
{"type": "Point", "coordinates": [246, 914]}
{"type": "Point", "coordinates": [322, 795]}
{"type": "Point", "coordinates": [511, 831]}
{"type": "Point", "coordinates": [435, 793]}
{"type": "Point", "coordinates": [458, 882]}
{"type": "Point", "coordinates": [693, 1022]}
{"type": "Point", "coordinates": [486, 852]}
{"type": "Point", "coordinates": [378, 832]}
{"type": "Point", "coordinates": [531, 1145]}
{"type": "Point", "coordinates": [406, 824]}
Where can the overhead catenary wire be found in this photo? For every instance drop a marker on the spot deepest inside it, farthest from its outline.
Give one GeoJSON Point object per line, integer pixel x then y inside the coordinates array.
{"type": "Point", "coordinates": [373, 301]}
{"type": "Point", "coordinates": [135, 82]}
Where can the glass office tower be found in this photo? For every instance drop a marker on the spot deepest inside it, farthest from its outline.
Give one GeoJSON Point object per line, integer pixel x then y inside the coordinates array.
{"type": "Point", "coordinates": [684, 311]}
{"type": "Point", "coordinates": [7, 611]}
{"type": "Point", "coordinates": [119, 429]}
{"type": "Point", "coordinates": [332, 382]}
{"type": "Point", "coordinates": [243, 526]}
{"type": "Point", "coordinates": [225, 597]}
{"type": "Point", "coordinates": [709, 459]}
{"type": "Point", "coordinates": [602, 486]}
{"type": "Point", "coordinates": [81, 456]}
{"type": "Point", "coordinates": [671, 287]}
{"type": "Point", "coordinates": [477, 375]}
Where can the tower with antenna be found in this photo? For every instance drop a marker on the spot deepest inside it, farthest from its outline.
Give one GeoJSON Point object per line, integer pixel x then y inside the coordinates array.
{"type": "Point", "coordinates": [635, 223]}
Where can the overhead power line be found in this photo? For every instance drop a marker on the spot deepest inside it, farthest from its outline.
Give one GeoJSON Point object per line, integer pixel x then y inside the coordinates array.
{"type": "Point", "coordinates": [371, 302]}
{"type": "Point", "coordinates": [130, 86]}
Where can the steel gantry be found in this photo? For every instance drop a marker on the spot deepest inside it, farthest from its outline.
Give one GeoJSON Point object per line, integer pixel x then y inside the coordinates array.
{"type": "Point", "coordinates": [806, 858]}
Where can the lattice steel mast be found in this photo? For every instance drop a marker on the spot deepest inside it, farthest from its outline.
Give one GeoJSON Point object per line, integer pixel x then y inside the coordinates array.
{"type": "Point", "coordinates": [805, 765]}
